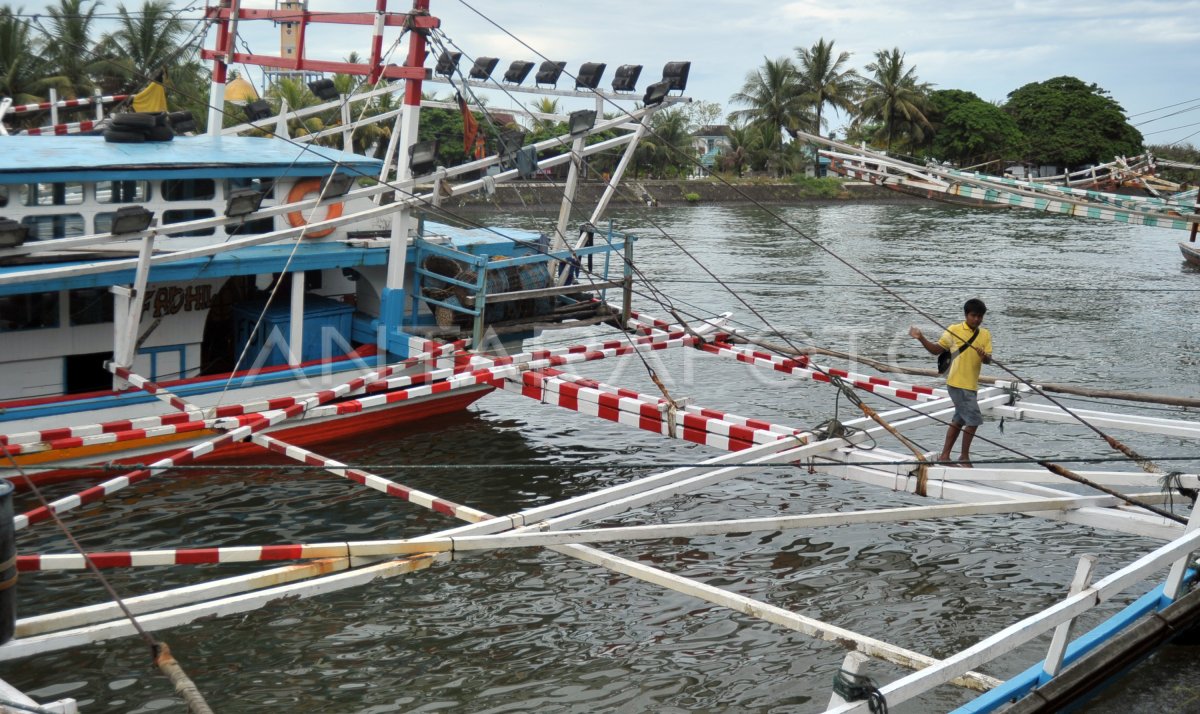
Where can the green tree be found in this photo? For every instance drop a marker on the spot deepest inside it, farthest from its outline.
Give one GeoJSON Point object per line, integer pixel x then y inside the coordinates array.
{"type": "Point", "coordinates": [23, 71]}
{"type": "Point", "coordinates": [969, 130]}
{"type": "Point", "coordinates": [69, 46]}
{"type": "Point", "coordinates": [772, 94]}
{"type": "Point", "coordinates": [1069, 123]}
{"type": "Point", "coordinates": [745, 143]}
{"type": "Point", "coordinates": [667, 150]}
{"type": "Point", "coordinates": [824, 79]}
{"type": "Point", "coordinates": [146, 42]}
{"type": "Point", "coordinates": [893, 97]}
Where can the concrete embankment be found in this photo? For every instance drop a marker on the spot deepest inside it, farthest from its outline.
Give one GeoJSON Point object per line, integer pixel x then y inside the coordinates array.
{"type": "Point", "coordinates": [544, 195]}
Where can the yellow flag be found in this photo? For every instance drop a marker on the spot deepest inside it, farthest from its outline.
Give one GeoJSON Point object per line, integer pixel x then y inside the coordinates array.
{"type": "Point", "coordinates": [151, 99]}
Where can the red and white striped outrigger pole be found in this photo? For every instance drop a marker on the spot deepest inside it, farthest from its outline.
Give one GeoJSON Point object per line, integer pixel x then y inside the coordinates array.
{"type": "Point", "coordinates": [77, 127]}
{"type": "Point", "coordinates": [64, 103]}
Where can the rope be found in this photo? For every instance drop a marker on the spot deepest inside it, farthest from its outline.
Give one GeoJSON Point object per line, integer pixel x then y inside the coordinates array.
{"type": "Point", "coordinates": [856, 687]}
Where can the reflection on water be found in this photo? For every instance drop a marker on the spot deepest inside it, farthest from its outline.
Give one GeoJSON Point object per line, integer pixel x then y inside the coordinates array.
{"type": "Point", "coordinates": [519, 630]}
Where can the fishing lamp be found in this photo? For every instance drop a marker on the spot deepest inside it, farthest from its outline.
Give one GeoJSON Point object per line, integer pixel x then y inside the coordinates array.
{"type": "Point", "coordinates": [422, 157]}
{"type": "Point", "coordinates": [243, 202]}
{"type": "Point", "coordinates": [257, 110]}
{"type": "Point", "coordinates": [511, 141]}
{"type": "Point", "coordinates": [12, 233]}
{"type": "Point", "coordinates": [549, 72]}
{"type": "Point", "coordinates": [131, 219]}
{"type": "Point", "coordinates": [677, 74]}
{"type": "Point", "coordinates": [447, 64]}
{"type": "Point", "coordinates": [324, 89]}
{"type": "Point", "coordinates": [656, 93]}
{"type": "Point", "coordinates": [336, 185]}
{"type": "Point", "coordinates": [518, 71]}
{"type": "Point", "coordinates": [626, 77]}
{"type": "Point", "coordinates": [589, 75]}
{"type": "Point", "coordinates": [581, 121]}
{"type": "Point", "coordinates": [482, 69]}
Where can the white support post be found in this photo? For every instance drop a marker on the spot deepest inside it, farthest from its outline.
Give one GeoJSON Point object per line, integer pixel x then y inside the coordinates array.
{"type": "Point", "coordinates": [854, 663]}
{"type": "Point", "coordinates": [296, 325]}
{"type": "Point", "coordinates": [347, 131]}
{"type": "Point", "coordinates": [401, 220]}
{"type": "Point", "coordinates": [53, 106]}
{"type": "Point", "coordinates": [99, 104]}
{"type": "Point", "coordinates": [393, 141]}
{"type": "Point", "coordinates": [1058, 643]}
{"type": "Point", "coordinates": [1174, 585]}
{"type": "Point", "coordinates": [281, 125]}
{"type": "Point", "coordinates": [127, 311]}
{"type": "Point", "coordinates": [559, 240]}
{"type": "Point", "coordinates": [5, 103]}
{"type": "Point", "coordinates": [216, 108]}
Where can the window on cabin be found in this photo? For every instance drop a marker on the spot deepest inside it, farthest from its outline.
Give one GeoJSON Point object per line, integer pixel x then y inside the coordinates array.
{"type": "Point", "coordinates": [262, 225]}
{"type": "Point", "coordinates": [29, 311]}
{"type": "Point", "coordinates": [52, 194]}
{"type": "Point", "coordinates": [189, 189]}
{"type": "Point", "coordinates": [63, 225]}
{"type": "Point", "coordinates": [122, 191]}
{"type": "Point", "coordinates": [90, 306]}
{"type": "Point", "coordinates": [190, 214]}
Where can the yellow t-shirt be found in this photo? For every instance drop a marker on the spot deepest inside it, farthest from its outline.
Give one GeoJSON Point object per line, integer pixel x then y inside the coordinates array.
{"type": "Point", "coordinates": [964, 371]}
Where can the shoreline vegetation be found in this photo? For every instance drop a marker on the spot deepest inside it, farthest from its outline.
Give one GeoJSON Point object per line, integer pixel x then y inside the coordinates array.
{"type": "Point", "coordinates": [536, 196]}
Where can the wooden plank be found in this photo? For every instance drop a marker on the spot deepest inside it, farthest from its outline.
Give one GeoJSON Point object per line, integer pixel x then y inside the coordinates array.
{"type": "Point", "coordinates": [546, 292]}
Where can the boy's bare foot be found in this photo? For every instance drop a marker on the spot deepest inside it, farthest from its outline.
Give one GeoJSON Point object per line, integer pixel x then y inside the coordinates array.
{"type": "Point", "coordinates": [965, 464]}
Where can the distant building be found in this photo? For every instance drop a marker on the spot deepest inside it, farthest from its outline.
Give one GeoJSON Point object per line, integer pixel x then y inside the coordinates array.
{"type": "Point", "coordinates": [709, 142]}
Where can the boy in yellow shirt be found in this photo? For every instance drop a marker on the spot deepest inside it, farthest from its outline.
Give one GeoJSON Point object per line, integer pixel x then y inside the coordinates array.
{"type": "Point", "coordinates": [962, 381]}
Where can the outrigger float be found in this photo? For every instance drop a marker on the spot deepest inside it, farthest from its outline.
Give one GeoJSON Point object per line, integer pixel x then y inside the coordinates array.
{"type": "Point", "coordinates": [399, 354]}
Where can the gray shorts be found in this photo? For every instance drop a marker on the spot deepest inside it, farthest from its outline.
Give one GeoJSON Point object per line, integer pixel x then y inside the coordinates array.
{"type": "Point", "coordinates": [966, 407]}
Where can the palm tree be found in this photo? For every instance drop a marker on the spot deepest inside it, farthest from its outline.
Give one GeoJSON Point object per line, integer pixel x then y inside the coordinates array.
{"type": "Point", "coordinates": [773, 94]}
{"type": "Point", "coordinates": [298, 96]}
{"type": "Point", "coordinates": [22, 68]}
{"type": "Point", "coordinates": [68, 45]}
{"type": "Point", "coordinates": [145, 43]}
{"type": "Point", "coordinates": [826, 82]}
{"type": "Point", "coordinates": [668, 145]}
{"type": "Point", "coordinates": [745, 144]}
{"type": "Point", "coordinates": [893, 96]}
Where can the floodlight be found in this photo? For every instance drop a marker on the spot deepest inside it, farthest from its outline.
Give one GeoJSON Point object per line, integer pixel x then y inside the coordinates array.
{"type": "Point", "coordinates": [580, 122]}
{"type": "Point", "coordinates": [656, 93]}
{"type": "Point", "coordinates": [549, 72]}
{"type": "Point", "coordinates": [257, 110]}
{"type": "Point", "coordinates": [243, 202]}
{"type": "Point", "coordinates": [12, 233]}
{"type": "Point", "coordinates": [589, 75]}
{"type": "Point", "coordinates": [447, 64]}
{"type": "Point", "coordinates": [336, 185]}
{"type": "Point", "coordinates": [131, 219]}
{"type": "Point", "coordinates": [482, 69]}
{"type": "Point", "coordinates": [324, 89]}
{"type": "Point", "coordinates": [677, 74]}
{"type": "Point", "coordinates": [518, 71]}
{"type": "Point", "coordinates": [626, 77]}
{"type": "Point", "coordinates": [422, 157]}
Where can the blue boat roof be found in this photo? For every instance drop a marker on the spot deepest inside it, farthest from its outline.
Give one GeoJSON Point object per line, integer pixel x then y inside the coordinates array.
{"type": "Point", "coordinates": [26, 159]}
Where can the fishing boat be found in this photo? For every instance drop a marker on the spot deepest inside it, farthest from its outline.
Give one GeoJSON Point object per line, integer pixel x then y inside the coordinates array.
{"type": "Point", "coordinates": [152, 285]}
{"type": "Point", "coordinates": [1191, 252]}
{"type": "Point", "coordinates": [350, 310]}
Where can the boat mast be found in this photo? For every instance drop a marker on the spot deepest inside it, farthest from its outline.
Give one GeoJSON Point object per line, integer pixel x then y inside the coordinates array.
{"type": "Point", "coordinates": [221, 58]}
{"type": "Point", "coordinates": [392, 312]}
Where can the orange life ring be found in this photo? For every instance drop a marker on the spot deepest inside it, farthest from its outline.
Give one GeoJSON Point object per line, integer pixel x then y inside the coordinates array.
{"type": "Point", "coordinates": [298, 193]}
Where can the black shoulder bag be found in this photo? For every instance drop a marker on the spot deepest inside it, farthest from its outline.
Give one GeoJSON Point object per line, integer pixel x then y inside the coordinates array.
{"type": "Point", "coordinates": [948, 356]}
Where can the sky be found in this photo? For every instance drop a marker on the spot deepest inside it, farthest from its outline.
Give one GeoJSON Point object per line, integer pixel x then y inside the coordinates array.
{"type": "Point", "coordinates": [1145, 53]}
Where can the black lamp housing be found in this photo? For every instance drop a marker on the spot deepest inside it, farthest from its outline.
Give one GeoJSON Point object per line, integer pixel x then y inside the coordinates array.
{"type": "Point", "coordinates": [581, 121]}
{"type": "Point", "coordinates": [12, 233]}
{"type": "Point", "coordinates": [656, 93]}
{"type": "Point", "coordinates": [447, 64]}
{"type": "Point", "coordinates": [131, 219]}
{"type": "Point", "coordinates": [518, 71]}
{"type": "Point", "coordinates": [243, 202]}
{"type": "Point", "coordinates": [257, 110]}
{"type": "Point", "coordinates": [625, 80]}
{"type": "Point", "coordinates": [336, 185]}
{"type": "Point", "coordinates": [549, 72]}
{"type": "Point", "coordinates": [482, 69]}
{"type": "Point", "coordinates": [677, 74]}
{"type": "Point", "coordinates": [589, 75]}
{"type": "Point", "coordinates": [422, 157]}
{"type": "Point", "coordinates": [324, 89]}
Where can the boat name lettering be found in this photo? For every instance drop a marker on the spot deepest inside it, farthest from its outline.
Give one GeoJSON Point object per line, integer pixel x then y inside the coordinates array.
{"type": "Point", "coordinates": [168, 301]}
